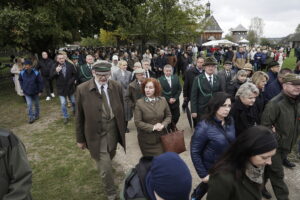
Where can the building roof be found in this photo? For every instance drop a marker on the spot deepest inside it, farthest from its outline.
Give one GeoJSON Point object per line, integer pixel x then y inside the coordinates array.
{"type": "Point", "coordinates": [239, 28]}
{"type": "Point", "coordinates": [212, 25]}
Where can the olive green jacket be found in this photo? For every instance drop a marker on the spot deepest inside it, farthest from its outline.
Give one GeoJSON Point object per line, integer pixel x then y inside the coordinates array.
{"type": "Point", "coordinates": [202, 92]}
{"type": "Point", "coordinates": [84, 73]}
{"type": "Point", "coordinates": [283, 113]}
{"type": "Point", "coordinates": [224, 186]}
{"type": "Point", "coordinates": [171, 92]}
{"type": "Point", "coordinates": [15, 172]}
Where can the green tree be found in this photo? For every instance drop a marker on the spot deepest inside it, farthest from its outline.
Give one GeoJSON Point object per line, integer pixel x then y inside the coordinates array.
{"type": "Point", "coordinates": [39, 25]}
{"type": "Point", "coordinates": [229, 37]}
{"type": "Point", "coordinates": [256, 29]}
{"type": "Point", "coordinates": [166, 21]}
{"type": "Point", "coordinates": [265, 42]}
{"type": "Point", "coordinates": [252, 37]}
{"type": "Point", "coordinates": [297, 29]}
{"type": "Point", "coordinates": [90, 42]}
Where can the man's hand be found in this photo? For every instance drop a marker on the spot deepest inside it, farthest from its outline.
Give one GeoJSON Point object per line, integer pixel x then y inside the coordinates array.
{"type": "Point", "coordinates": [205, 179]}
{"type": "Point", "coordinates": [194, 115]}
{"type": "Point", "coordinates": [82, 145]}
{"type": "Point", "coordinates": [172, 100]}
{"type": "Point", "coordinates": [58, 68]}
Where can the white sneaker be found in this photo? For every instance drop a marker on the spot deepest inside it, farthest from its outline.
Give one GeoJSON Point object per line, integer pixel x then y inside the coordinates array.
{"type": "Point", "coordinates": [48, 98]}
{"type": "Point", "coordinates": [52, 95]}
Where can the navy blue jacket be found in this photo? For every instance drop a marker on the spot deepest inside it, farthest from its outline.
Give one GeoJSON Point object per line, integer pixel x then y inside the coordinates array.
{"type": "Point", "coordinates": [31, 82]}
{"type": "Point", "coordinates": [209, 143]}
{"type": "Point", "coordinates": [272, 90]}
{"type": "Point", "coordinates": [272, 77]}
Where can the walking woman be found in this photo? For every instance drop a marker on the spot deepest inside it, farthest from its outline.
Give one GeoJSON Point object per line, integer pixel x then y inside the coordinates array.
{"type": "Point", "coordinates": [152, 115]}
{"type": "Point", "coordinates": [212, 137]}
{"type": "Point", "coordinates": [238, 175]}
{"type": "Point", "coordinates": [16, 70]}
{"type": "Point", "coordinates": [244, 110]}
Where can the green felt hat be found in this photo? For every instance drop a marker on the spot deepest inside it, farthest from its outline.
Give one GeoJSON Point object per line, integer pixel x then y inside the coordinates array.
{"type": "Point", "coordinates": [101, 66]}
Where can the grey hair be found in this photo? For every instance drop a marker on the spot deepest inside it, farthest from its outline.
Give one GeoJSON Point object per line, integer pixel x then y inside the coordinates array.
{"type": "Point", "coordinates": [239, 73]}
{"type": "Point", "coordinates": [169, 66]}
{"type": "Point", "coordinates": [246, 90]}
{"type": "Point", "coordinates": [137, 64]}
{"type": "Point", "coordinates": [146, 60]}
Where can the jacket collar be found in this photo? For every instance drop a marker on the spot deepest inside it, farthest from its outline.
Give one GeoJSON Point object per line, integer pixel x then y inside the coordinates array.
{"type": "Point", "coordinates": [252, 187]}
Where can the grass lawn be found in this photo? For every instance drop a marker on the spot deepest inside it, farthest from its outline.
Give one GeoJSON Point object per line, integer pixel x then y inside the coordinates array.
{"type": "Point", "coordinates": [60, 170]}
{"type": "Point", "coordinates": [290, 62]}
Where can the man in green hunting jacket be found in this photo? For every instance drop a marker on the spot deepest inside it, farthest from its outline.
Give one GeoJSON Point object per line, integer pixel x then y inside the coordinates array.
{"type": "Point", "coordinates": [85, 71]}
{"type": "Point", "coordinates": [15, 172]}
{"type": "Point", "coordinates": [204, 86]}
{"type": "Point", "coordinates": [282, 114]}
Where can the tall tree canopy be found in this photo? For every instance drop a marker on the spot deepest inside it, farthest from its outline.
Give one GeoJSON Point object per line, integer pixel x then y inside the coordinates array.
{"type": "Point", "coordinates": [166, 21]}
{"type": "Point", "coordinates": [37, 25]}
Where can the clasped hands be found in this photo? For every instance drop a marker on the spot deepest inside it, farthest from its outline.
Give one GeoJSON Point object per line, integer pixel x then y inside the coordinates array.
{"type": "Point", "coordinates": [158, 127]}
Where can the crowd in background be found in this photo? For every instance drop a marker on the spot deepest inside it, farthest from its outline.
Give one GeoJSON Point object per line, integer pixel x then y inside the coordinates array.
{"type": "Point", "coordinates": [225, 91]}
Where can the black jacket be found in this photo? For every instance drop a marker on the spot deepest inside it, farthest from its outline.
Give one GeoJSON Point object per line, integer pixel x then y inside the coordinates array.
{"type": "Point", "coordinates": [188, 81]}
{"type": "Point", "coordinates": [45, 65]}
{"type": "Point", "coordinates": [244, 116]}
{"type": "Point", "coordinates": [65, 85]}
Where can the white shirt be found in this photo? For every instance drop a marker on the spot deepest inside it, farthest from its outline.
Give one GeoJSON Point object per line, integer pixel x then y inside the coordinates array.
{"type": "Point", "coordinates": [212, 78]}
{"type": "Point", "coordinates": [105, 86]}
{"type": "Point", "coordinates": [169, 80]}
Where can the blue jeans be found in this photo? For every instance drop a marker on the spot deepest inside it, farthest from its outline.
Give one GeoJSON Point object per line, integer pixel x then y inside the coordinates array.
{"type": "Point", "coordinates": [30, 100]}
{"type": "Point", "coordinates": [63, 102]}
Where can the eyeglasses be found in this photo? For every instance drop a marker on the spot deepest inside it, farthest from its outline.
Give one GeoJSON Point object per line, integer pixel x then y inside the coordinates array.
{"type": "Point", "coordinates": [102, 75]}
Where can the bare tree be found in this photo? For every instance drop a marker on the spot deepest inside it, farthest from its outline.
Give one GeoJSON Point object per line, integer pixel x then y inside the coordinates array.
{"type": "Point", "coordinates": [257, 26]}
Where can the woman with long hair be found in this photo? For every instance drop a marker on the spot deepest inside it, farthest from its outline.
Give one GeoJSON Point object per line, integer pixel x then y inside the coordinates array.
{"type": "Point", "coordinates": [238, 175]}
{"type": "Point", "coordinates": [213, 134]}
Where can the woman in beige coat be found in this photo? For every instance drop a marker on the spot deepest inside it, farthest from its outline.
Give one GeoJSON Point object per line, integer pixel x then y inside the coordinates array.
{"type": "Point", "coordinates": [151, 116]}
{"type": "Point", "coordinates": [15, 70]}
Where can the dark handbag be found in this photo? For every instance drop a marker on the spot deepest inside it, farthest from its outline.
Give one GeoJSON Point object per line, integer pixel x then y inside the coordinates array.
{"type": "Point", "coordinates": [173, 141]}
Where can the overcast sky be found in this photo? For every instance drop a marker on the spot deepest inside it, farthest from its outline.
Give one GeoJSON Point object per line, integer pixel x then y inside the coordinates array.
{"type": "Point", "coordinates": [281, 17]}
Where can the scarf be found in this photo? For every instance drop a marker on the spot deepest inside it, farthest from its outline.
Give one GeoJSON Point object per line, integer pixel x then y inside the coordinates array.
{"type": "Point", "coordinates": [255, 174]}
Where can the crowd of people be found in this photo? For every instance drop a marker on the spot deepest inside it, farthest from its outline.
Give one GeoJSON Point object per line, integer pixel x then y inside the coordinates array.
{"type": "Point", "coordinates": [244, 107]}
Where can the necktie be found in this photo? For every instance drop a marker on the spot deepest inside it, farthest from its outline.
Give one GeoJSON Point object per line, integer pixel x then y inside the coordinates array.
{"type": "Point", "coordinates": [105, 102]}
{"type": "Point", "coordinates": [210, 81]}
{"type": "Point", "coordinates": [64, 71]}
{"type": "Point", "coordinates": [147, 74]}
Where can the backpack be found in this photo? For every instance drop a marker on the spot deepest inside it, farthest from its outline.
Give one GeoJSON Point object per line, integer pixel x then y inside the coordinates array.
{"type": "Point", "coordinates": [133, 187]}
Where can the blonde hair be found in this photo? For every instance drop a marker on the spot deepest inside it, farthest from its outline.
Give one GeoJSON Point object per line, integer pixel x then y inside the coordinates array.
{"type": "Point", "coordinates": [258, 76]}
{"type": "Point", "coordinates": [122, 62]}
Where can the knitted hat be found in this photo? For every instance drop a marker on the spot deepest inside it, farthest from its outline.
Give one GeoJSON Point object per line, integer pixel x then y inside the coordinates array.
{"type": "Point", "coordinates": [292, 78]}
{"type": "Point", "coordinates": [169, 177]}
{"type": "Point", "coordinates": [272, 64]}
{"type": "Point", "coordinates": [27, 62]}
{"type": "Point", "coordinates": [115, 57]}
{"type": "Point", "coordinates": [101, 66]}
{"type": "Point", "coordinates": [267, 142]}
{"type": "Point", "coordinates": [248, 66]}
{"type": "Point", "coordinates": [210, 61]}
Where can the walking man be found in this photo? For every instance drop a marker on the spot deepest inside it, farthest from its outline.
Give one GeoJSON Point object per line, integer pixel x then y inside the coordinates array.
{"type": "Point", "coordinates": [65, 75]}
{"type": "Point", "coordinates": [44, 65]}
{"type": "Point", "coordinates": [282, 114]}
{"type": "Point", "coordinates": [100, 123]}
{"type": "Point", "coordinates": [32, 85]}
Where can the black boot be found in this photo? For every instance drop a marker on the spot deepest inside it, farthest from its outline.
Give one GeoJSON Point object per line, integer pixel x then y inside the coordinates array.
{"type": "Point", "coordinates": [265, 193]}
{"type": "Point", "coordinates": [287, 163]}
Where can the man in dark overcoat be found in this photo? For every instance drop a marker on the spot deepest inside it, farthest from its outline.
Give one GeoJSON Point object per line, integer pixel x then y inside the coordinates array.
{"type": "Point", "coordinates": [226, 75]}
{"type": "Point", "coordinates": [135, 89]}
{"type": "Point", "coordinates": [204, 86]}
{"type": "Point", "coordinates": [85, 71]}
{"type": "Point", "coordinates": [65, 75]}
{"type": "Point", "coordinates": [171, 90]}
{"type": "Point", "coordinates": [100, 123]}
